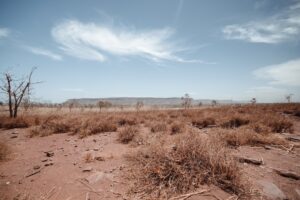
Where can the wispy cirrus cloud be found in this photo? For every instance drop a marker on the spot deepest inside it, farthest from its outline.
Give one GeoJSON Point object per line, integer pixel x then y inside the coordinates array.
{"type": "Point", "coordinates": [286, 74]}
{"type": "Point", "coordinates": [96, 42]}
{"type": "Point", "coordinates": [4, 32]}
{"type": "Point", "coordinates": [282, 27]}
{"type": "Point", "coordinates": [43, 52]}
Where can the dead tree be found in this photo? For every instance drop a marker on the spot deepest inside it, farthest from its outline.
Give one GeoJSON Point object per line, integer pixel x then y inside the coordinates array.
{"type": "Point", "coordinates": [103, 104]}
{"type": "Point", "coordinates": [289, 98]}
{"type": "Point", "coordinates": [253, 101]}
{"type": "Point", "coordinates": [16, 90]}
{"type": "Point", "coordinates": [186, 101]}
{"type": "Point", "coordinates": [139, 105]}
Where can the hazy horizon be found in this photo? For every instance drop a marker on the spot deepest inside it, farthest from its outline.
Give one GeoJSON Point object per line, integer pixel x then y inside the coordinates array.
{"type": "Point", "coordinates": [99, 49]}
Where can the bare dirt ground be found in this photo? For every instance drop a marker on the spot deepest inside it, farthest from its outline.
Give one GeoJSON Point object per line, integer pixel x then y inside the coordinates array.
{"type": "Point", "coordinates": [58, 167]}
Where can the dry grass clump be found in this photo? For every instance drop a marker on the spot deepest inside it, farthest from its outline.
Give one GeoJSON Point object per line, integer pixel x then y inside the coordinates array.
{"type": "Point", "coordinates": [281, 126]}
{"type": "Point", "coordinates": [191, 162]}
{"type": "Point", "coordinates": [95, 126]}
{"type": "Point", "coordinates": [242, 137]}
{"type": "Point", "coordinates": [53, 124]}
{"type": "Point", "coordinates": [127, 121]}
{"type": "Point", "coordinates": [3, 150]}
{"type": "Point", "coordinates": [88, 158]}
{"type": "Point", "coordinates": [19, 122]}
{"type": "Point", "coordinates": [127, 134]}
{"type": "Point", "coordinates": [235, 122]}
{"type": "Point", "coordinates": [177, 127]}
{"type": "Point", "coordinates": [158, 127]}
{"type": "Point", "coordinates": [203, 123]}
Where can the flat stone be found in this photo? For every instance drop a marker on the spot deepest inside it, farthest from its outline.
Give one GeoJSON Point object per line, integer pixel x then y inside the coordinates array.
{"type": "Point", "coordinates": [87, 169]}
{"type": "Point", "coordinates": [98, 176]}
{"type": "Point", "coordinates": [14, 136]}
{"type": "Point", "coordinates": [36, 167]}
{"type": "Point", "coordinates": [49, 164]}
{"type": "Point", "coordinates": [271, 190]}
{"type": "Point", "coordinates": [49, 153]}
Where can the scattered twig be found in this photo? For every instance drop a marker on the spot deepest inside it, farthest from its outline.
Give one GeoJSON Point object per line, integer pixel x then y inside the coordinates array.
{"type": "Point", "coordinates": [185, 196]}
{"type": "Point", "coordinates": [287, 174]}
{"type": "Point", "coordinates": [49, 194]}
{"type": "Point", "coordinates": [250, 161]}
{"type": "Point", "coordinates": [33, 173]}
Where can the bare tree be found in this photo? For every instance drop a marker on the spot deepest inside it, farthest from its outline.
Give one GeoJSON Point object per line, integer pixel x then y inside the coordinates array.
{"type": "Point", "coordinates": [186, 101]}
{"type": "Point", "coordinates": [139, 105]}
{"type": "Point", "coordinates": [16, 89]}
{"type": "Point", "coordinates": [253, 101]}
{"type": "Point", "coordinates": [213, 102]}
{"type": "Point", "coordinates": [289, 98]}
{"type": "Point", "coordinates": [103, 104]}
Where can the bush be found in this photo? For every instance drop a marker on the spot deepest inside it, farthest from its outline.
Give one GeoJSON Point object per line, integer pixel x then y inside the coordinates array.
{"type": "Point", "coordinates": [281, 126]}
{"type": "Point", "coordinates": [158, 127]}
{"type": "Point", "coordinates": [177, 127]}
{"type": "Point", "coordinates": [204, 123]}
{"type": "Point", "coordinates": [192, 161]}
{"type": "Point", "coordinates": [235, 122]}
{"type": "Point", "coordinates": [249, 137]}
{"type": "Point", "coordinates": [127, 134]}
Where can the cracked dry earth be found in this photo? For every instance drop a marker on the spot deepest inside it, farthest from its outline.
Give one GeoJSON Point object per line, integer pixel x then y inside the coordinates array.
{"type": "Point", "coordinates": [56, 168]}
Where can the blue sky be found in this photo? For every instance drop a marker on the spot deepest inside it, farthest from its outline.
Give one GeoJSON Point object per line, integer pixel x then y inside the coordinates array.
{"type": "Point", "coordinates": [209, 49]}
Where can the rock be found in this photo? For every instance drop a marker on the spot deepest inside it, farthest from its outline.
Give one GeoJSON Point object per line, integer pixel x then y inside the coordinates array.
{"type": "Point", "coordinates": [49, 164]}
{"type": "Point", "coordinates": [293, 138]}
{"type": "Point", "coordinates": [94, 140]}
{"type": "Point", "coordinates": [97, 176]}
{"type": "Point", "coordinates": [14, 136]}
{"type": "Point", "coordinates": [36, 167]}
{"type": "Point", "coordinates": [99, 158]}
{"type": "Point", "coordinates": [87, 169]}
{"type": "Point", "coordinates": [250, 161]}
{"type": "Point", "coordinates": [45, 160]}
{"type": "Point", "coordinates": [287, 174]}
{"type": "Point", "coordinates": [14, 133]}
{"type": "Point", "coordinates": [49, 153]}
{"type": "Point", "coordinates": [75, 146]}
{"type": "Point", "coordinates": [271, 190]}
{"type": "Point", "coordinates": [96, 149]}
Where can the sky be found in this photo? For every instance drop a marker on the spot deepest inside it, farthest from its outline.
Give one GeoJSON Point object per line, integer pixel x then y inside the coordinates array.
{"type": "Point", "coordinates": [236, 50]}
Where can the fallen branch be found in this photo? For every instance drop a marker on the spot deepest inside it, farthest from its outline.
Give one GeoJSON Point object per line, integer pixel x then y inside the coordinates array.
{"type": "Point", "coordinates": [250, 161]}
{"type": "Point", "coordinates": [185, 196]}
{"type": "Point", "coordinates": [287, 174]}
{"type": "Point", "coordinates": [33, 173]}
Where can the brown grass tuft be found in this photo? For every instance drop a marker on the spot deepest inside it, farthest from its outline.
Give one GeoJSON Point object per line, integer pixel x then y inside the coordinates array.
{"type": "Point", "coordinates": [192, 161]}
{"type": "Point", "coordinates": [177, 127]}
{"type": "Point", "coordinates": [235, 122]}
{"type": "Point", "coordinates": [203, 123]}
{"type": "Point", "coordinates": [127, 134]}
{"type": "Point", "coordinates": [158, 127]}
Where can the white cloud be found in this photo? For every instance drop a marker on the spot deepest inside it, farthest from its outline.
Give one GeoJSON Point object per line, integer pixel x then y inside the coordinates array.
{"type": "Point", "coordinates": [4, 32]}
{"type": "Point", "coordinates": [43, 52]}
{"type": "Point", "coordinates": [279, 28]}
{"type": "Point", "coordinates": [95, 42]}
{"type": "Point", "coordinates": [287, 74]}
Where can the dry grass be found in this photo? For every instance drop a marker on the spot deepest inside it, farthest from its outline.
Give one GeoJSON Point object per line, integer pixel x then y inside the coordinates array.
{"type": "Point", "coordinates": [158, 127]}
{"type": "Point", "coordinates": [88, 158]}
{"type": "Point", "coordinates": [127, 134]}
{"type": "Point", "coordinates": [4, 151]}
{"type": "Point", "coordinates": [177, 127]}
{"type": "Point", "coordinates": [248, 137]}
{"type": "Point", "coordinates": [203, 123]}
{"type": "Point", "coordinates": [191, 162]}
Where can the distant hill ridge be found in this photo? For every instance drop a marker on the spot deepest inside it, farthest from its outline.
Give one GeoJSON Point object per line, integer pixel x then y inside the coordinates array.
{"type": "Point", "coordinates": [150, 101]}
